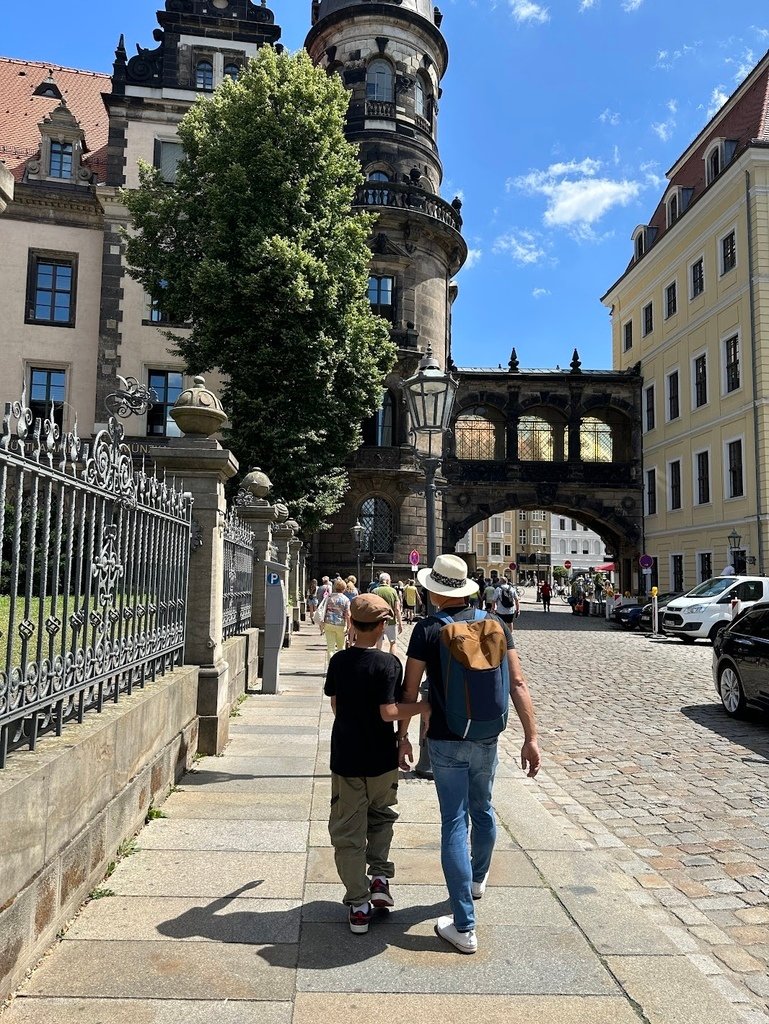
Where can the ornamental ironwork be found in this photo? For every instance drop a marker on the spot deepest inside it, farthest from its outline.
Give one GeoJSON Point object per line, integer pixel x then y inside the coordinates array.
{"type": "Point", "coordinates": [95, 563]}
{"type": "Point", "coordinates": [238, 575]}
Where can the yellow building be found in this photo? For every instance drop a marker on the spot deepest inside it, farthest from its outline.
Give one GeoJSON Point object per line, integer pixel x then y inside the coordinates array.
{"type": "Point", "coordinates": [693, 308]}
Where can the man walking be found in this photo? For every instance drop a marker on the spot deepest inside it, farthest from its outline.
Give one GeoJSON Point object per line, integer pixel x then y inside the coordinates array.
{"type": "Point", "coordinates": [388, 593]}
{"type": "Point", "coordinates": [547, 592]}
{"type": "Point", "coordinates": [463, 769]}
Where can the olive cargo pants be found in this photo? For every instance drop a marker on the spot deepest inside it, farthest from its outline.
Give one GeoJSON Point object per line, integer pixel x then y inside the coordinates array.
{"type": "Point", "coordinates": [361, 829]}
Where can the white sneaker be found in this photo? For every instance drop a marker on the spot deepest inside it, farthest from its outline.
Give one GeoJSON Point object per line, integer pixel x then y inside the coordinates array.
{"type": "Point", "coordinates": [465, 942]}
{"type": "Point", "coordinates": [479, 888]}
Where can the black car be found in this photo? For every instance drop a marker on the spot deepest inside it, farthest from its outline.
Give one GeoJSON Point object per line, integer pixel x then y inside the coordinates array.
{"type": "Point", "coordinates": [645, 622]}
{"type": "Point", "coordinates": [629, 616]}
{"type": "Point", "coordinates": [741, 661]}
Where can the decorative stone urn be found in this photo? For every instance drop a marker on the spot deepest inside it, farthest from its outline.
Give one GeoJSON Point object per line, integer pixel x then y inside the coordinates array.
{"type": "Point", "coordinates": [198, 412]}
{"type": "Point", "coordinates": [257, 483]}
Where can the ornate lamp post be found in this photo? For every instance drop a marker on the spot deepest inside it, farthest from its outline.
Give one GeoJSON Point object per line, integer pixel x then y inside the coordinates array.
{"type": "Point", "coordinates": [735, 540]}
{"type": "Point", "coordinates": [357, 533]}
{"type": "Point", "coordinates": [430, 395]}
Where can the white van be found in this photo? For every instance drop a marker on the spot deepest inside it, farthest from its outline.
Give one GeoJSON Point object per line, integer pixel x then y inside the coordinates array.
{"type": "Point", "coordinates": [702, 612]}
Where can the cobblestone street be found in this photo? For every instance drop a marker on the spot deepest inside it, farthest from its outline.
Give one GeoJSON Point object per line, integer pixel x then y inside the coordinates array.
{"type": "Point", "coordinates": [643, 763]}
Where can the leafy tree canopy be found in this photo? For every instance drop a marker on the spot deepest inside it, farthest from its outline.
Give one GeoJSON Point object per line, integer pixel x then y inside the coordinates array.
{"type": "Point", "coordinates": [256, 247]}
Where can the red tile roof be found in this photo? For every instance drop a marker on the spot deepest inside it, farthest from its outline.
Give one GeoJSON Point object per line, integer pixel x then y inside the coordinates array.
{"type": "Point", "coordinates": [21, 112]}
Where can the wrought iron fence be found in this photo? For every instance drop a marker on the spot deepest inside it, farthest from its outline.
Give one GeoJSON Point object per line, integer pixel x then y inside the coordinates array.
{"type": "Point", "coordinates": [95, 559]}
{"type": "Point", "coordinates": [238, 575]}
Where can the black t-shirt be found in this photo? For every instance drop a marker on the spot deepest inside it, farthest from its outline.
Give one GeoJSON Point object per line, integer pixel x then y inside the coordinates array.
{"type": "Point", "coordinates": [425, 646]}
{"type": "Point", "coordinates": [362, 679]}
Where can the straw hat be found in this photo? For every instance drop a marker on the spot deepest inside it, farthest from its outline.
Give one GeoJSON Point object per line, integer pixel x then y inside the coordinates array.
{"type": "Point", "coordinates": [448, 577]}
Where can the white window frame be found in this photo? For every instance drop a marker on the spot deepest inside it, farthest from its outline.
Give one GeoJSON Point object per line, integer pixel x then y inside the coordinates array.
{"type": "Point", "coordinates": [646, 428]}
{"type": "Point", "coordinates": [668, 374]}
{"type": "Point", "coordinates": [675, 193]}
{"type": "Point", "coordinates": [647, 470]}
{"type": "Point", "coordinates": [717, 144]}
{"type": "Point", "coordinates": [644, 307]}
{"type": "Point", "coordinates": [692, 296]}
{"type": "Point", "coordinates": [669, 489]}
{"type": "Point", "coordinates": [693, 362]}
{"type": "Point", "coordinates": [695, 478]}
{"type": "Point", "coordinates": [697, 556]}
{"type": "Point", "coordinates": [639, 236]}
{"type": "Point", "coordinates": [722, 272]}
{"type": "Point", "coordinates": [727, 495]}
{"type": "Point", "coordinates": [671, 577]}
{"type": "Point", "coordinates": [626, 324]}
{"type": "Point", "coordinates": [727, 336]}
{"type": "Point", "coordinates": [670, 284]}
{"type": "Point", "coordinates": [522, 535]}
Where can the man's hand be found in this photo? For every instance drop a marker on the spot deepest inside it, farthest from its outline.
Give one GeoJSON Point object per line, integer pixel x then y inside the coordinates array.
{"type": "Point", "coordinates": [531, 758]}
{"type": "Point", "coordinates": [426, 711]}
{"type": "Point", "coordinates": [400, 627]}
{"type": "Point", "coordinates": [405, 756]}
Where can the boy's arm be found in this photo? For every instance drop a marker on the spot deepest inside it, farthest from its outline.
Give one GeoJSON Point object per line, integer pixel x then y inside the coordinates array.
{"type": "Point", "coordinates": [333, 706]}
{"type": "Point", "coordinates": [402, 712]}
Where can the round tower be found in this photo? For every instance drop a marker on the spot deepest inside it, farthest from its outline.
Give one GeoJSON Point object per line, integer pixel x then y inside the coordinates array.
{"type": "Point", "coordinates": [392, 57]}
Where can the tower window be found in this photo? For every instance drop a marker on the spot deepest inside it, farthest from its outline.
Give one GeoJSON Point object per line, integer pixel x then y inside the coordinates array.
{"type": "Point", "coordinates": [380, 82]}
{"type": "Point", "coordinates": [381, 295]}
{"type": "Point", "coordinates": [376, 517]}
{"type": "Point", "coordinates": [204, 75]}
{"type": "Point", "coordinates": [61, 160]}
{"type": "Point", "coordinates": [378, 430]}
{"type": "Point", "coordinates": [232, 71]}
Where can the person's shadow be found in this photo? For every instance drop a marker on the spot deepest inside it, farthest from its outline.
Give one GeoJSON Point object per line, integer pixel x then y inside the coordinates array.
{"type": "Point", "coordinates": [319, 928]}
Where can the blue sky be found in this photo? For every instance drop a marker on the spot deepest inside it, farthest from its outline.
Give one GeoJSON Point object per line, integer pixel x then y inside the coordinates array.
{"type": "Point", "coordinates": [557, 125]}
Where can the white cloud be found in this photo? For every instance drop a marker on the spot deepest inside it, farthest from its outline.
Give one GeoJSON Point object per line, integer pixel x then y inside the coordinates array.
{"type": "Point", "coordinates": [717, 99]}
{"type": "Point", "coordinates": [609, 117]}
{"type": "Point", "coordinates": [631, 5]}
{"type": "Point", "coordinates": [540, 293]}
{"type": "Point", "coordinates": [667, 58]}
{"type": "Point", "coordinates": [665, 128]}
{"type": "Point", "coordinates": [585, 5]}
{"type": "Point", "coordinates": [745, 65]}
{"type": "Point", "coordinates": [576, 196]}
{"type": "Point", "coordinates": [527, 10]}
{"type": "Point", "coordinates": [473, 257]}
{"type": "Point", "coordinates": [524, 247]}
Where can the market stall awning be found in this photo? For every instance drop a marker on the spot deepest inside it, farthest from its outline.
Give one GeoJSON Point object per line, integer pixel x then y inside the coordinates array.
{"type": "Point", "coordinates": [609, 567]}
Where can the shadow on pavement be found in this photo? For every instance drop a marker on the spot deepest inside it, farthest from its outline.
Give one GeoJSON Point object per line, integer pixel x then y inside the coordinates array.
{"type": "Point", "coordinates": [751, 732]}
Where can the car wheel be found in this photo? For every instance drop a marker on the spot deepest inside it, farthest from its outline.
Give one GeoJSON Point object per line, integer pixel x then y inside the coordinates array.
{"type": "Point", "coordinates": [715, 630]}
{"type": "Point", "coordinates": [731, 692]}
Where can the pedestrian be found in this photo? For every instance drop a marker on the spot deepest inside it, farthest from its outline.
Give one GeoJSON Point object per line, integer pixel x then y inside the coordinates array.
{"type": "Point", "coordinates": [463, 768]}
{"type": "Point", "coordinates": [351, 588]}
{"type": "Point", "coordinates": [389, 594]}
{"type": "Point", "coordinates": [547, 592]}
{"type": "Point", "coordinates": [410, 600]}
{"type": "Point", "coordinates": [365, 686]}
{"type": "Point", "coordinates": [336, 620]}
{"type": "Point", "coordinates": [506, 603]}
{"type": "Point", "coordinates": [489, 596]}
{"type": "Point", "coordinates": [325, 589]}
{"type": "Point", "coordinates": [312, 597]}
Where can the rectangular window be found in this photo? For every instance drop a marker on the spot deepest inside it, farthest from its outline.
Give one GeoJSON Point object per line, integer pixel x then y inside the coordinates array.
{"type": "Point", "coordinates": [522, 536]}
{"type": "Point", "coordinates": [651, 492]}
{"type": "Point", "coordinates": [674, 480]}
{"type": "Point", "coordinates": [496, 550]}
{"type": "Point", "coordinates": [61, 160]}
{"type": "Point", "coordinates": [167, 158]}
{"type": "Point", "coordinates": [700, 381]}
{"type": "Point", "coordinates": [508, 526]}
{"type": "Point", "coordinates": [536, 535]}
{"type": "Point", "coordinates": [732, 363]}
{"type": "Point", "coordinates": [650, 408]}
{"type": "Point", "coordinates": [674, 404]}
{"type": "Point", "coordinates": [703, 477]}
{"type": "Point", "coordinates": [677, 572]}
{"type": "Point", "coordinates": [585, 547]}
{"type": "Point", "coordinates": [574, 547]}
{"type": "Point", "coordinates": [705, 566]}
{"type": "Point", "coordinates": [561, 524]}
{"type": "Point", "coordinates": [671, 300]}
{"type": "Point", "coordinates": [508, 551]}
{"type": "Point", "coordinates": [51, 283]}
{"type": "Point", "coordinates": [381, 292]}
{"type": "Point", "coordinates": [522, 516]}
{"type": "Point", "coordinates": [728, 253]}
{"type": "Point", "coordinates": [496, 524]}
{"type": "Point", "coordinates": [648, 319]}
{"type": "Point", "coordinates": [736, 485]}
{"type": "Point", "coordinates": [698, 278]}
{"type": "Point", "coordinates": [574, 524]}
{"type": "Point", "coordinates": [167, 385]}
{"type": "Point", "coordinates": [47, 388]}
{"type": "Point", "coordinates": [628, 335]}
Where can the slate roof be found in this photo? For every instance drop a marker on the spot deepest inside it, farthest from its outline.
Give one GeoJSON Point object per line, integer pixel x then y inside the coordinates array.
{"type": "Point", "coordinates": [21, 112]}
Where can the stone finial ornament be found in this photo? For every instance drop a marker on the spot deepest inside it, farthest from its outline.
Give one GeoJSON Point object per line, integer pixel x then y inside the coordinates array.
{"type": "Point", "coordinates": [198, 412]}
{"type": "Point", "coordinates": [257, 482]}
{"type": "Point", "coordinates": [576, 363]}
{"type": "Point", "coordinates": [514, 366]}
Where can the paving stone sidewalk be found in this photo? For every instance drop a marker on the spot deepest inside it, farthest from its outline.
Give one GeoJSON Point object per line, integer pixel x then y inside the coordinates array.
{"type": "Point", "coordinates": [229, 911]}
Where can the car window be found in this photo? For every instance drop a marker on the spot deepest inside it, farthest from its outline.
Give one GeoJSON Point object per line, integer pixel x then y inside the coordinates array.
{"type": "Point", "coordinates": [753, 623]}
{"type": "Point", "coordinates": [712, 588]}
{"type": "Point", "coordinates": [751, 590]}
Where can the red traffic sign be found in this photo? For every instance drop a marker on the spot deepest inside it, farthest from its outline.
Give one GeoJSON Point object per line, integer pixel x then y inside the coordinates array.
{"type": "Point", "coordinates": [414, 558]}
{"type": "Point", "coordinates": [567, 565]}
{"type": "Point", "coordinates": [513, 565]}
{"type": "Point", "coordinates": [646, 561]}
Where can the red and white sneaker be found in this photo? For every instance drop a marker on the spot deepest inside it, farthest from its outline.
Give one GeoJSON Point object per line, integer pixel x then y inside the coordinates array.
{"type": "Point", "coordinates": [360, 920]}
{"type": "Point", "coordinates": [380, 894]}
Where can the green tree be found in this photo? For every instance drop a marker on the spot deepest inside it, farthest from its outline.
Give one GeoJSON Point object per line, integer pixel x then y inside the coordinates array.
{"type": "Point", "coordinates": [257, 248]}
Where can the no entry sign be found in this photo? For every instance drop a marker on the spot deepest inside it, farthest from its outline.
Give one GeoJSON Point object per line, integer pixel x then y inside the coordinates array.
{"type": "Point", "coordinates": [567, 565]}
{"type": "Point", "coordinates": [414, 558]}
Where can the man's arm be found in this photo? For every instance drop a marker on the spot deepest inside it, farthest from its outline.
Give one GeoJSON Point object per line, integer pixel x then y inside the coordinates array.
{"type": "Point", "coordinates": [413, 677]}
{"type": "Point", "coordinates": [531, 757]}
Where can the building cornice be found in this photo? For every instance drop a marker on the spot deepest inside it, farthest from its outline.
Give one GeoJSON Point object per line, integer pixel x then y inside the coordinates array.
{"type": "Point", "coordinates": [77, 206]}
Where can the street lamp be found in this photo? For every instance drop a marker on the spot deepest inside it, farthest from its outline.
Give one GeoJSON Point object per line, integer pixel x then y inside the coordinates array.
{"type": "Point", "coordinates": [357, 534]}
{"type": "Point", "coordinates": [430, 395]}
{"type": "Point", "coordinates": [735, 540]}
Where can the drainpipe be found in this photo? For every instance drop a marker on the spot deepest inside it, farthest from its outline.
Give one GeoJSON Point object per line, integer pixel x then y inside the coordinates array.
{"type": "Point", "coordinates": [754, 354]}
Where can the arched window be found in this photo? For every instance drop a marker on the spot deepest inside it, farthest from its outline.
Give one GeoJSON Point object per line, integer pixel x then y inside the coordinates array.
{"type": "Point", "coordinates": [232, 71]}
{"type": "Point", "coordinates": [377, 196]}
{"type": "Point", "coordinates": [672, 210]}
{"type": "Point", "coordinates": [540, 441]}
{"type": "Point", "coordinates": [480, 435]}
{"type": "Point", "coordinates": [714, 164]}
{"type": "Point", "coordinates": [596, 440]}
{"type": "Point", "coordinates": [380, 82]}
{"type": "Point", "coordinates": [420, 98]}
{"type": "Point", "coordinates": [204, 75]}
{"type": "Point", "coordinates": [376, 517]}
{"type": "Point", "coordinates": [379, 430]}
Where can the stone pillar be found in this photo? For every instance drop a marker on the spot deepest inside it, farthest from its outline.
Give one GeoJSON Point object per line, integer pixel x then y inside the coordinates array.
{"type": "Point", "coordinates": [295, 591]}
{"type": "Point", "coordinates": [283, 535]}
{"type": "Point", "coordinates": [205, 467]}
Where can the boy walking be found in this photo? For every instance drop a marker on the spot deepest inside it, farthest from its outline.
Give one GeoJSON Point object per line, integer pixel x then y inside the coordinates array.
{"type": "Point", "coordinates": [364, 685]}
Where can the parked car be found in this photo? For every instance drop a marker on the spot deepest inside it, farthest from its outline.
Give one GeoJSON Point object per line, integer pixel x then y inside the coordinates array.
{"type": "Point", "coordinates": [741, 661]}
{"type": "Point", "coordinates": [645, 622]}
{"type": "Point", "coordinates": [629, 616]}
{"type": "Point", "coordinates": [704, 611]}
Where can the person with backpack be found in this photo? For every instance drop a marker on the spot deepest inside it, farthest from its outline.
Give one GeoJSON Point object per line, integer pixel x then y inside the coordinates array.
{"type": "Point", "coordinates": [489, 596]}
{"type": "Point", "coordinates": [472, 669]}
{"type": "Point", "coordinates": [506, 602]}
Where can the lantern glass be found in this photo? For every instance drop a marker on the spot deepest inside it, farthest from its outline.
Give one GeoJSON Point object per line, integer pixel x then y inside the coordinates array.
{"type": "Point", "coordinates": [430, 397]}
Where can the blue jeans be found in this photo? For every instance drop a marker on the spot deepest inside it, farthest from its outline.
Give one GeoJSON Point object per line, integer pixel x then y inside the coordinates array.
{"type": "Point", "coordinates": [464, 777]}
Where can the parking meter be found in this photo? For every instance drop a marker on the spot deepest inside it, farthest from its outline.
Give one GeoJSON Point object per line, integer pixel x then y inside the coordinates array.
{"type": "Point", "coordinates": [274, 623]}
